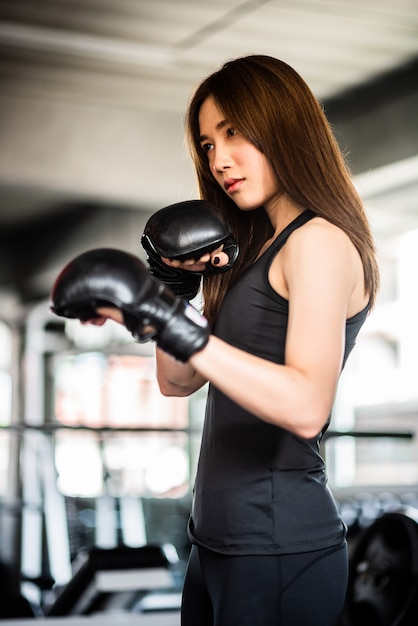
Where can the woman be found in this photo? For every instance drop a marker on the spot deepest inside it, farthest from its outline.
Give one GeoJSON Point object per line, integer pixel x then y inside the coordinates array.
{"type": "Point", "coordinates": [269, 546]}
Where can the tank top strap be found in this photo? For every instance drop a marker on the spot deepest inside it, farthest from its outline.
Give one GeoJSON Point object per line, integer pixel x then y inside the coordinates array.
{"type": "Point", "coordinates": [279, 242]}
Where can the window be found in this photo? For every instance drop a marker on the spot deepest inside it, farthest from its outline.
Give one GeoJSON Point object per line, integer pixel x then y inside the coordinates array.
{"type": "Point", "coordinates": [119, 433]}
{"type": "Point", "coordinates": [6, 402]}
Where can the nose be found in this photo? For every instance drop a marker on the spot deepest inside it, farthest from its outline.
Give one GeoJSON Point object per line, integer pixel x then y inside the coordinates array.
{"type": "Point", "coordinates": [222, 160]}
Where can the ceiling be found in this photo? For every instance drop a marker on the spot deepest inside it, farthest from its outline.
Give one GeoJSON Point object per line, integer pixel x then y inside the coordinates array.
{"type": "Point", "coordinates": [148, 55]}
{"type": "Point", "coordinates": [143, 58]}
{"type": "Point", "coordinates": [159, 49]}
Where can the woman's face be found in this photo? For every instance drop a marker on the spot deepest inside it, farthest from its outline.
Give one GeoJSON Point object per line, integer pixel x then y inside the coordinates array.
{"type": "Point", "coordinates": [237, 165]}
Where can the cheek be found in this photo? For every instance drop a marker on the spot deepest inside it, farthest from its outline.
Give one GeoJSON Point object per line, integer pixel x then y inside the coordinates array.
{"type": "Point", "coordinates": [253, 156]}
{"type": "Point", "coordinates": [269, 180]}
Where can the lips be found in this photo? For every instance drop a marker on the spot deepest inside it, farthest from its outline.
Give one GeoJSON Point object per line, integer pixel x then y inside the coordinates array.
{"type": "Point", "coordinates": [232, 184]}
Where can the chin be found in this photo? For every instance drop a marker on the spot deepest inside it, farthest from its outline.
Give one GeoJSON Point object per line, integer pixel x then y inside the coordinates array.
{"type": "Point", "coordinates": [245, 206]}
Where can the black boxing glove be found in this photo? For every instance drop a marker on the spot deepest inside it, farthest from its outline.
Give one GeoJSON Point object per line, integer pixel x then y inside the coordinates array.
{"type": "Point", "coordinates": [151, 311]}
{"type": "Point", "coordinates": [187, 230]}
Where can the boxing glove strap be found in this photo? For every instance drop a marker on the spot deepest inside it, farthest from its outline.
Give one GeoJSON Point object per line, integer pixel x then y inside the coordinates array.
{"type": "Point", "coordinates": [174, 325]}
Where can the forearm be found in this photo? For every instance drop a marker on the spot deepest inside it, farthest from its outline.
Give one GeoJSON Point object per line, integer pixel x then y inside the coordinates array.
{"type": "Point", "coordinates": [176, 378]}
{"type": "Point", "coordinates": [278, 394]}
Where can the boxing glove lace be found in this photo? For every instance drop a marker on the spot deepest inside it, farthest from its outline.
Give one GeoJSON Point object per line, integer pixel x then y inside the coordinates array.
{"type": "Point", "coordinates": [151, 311]}
{"type": "Point", "coordinates": [187, 230]}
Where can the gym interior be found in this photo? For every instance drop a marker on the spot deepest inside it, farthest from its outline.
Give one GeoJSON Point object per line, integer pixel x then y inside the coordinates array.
{"type": "Point", "coordinates": [96, 466]}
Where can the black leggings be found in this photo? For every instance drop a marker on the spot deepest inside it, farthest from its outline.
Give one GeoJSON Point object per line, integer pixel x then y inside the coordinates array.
{"type": "Point", "coordinates": [305, 589]}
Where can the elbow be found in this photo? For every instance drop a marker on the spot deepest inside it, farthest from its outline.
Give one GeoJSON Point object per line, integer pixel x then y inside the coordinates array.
{"type": "Point", "coordinates": [166, 392]}
{"type": "Point", "coordinates": [171, 390]}
{"type": "Point", "coordinates": [308, 431]}
{"type": "Point", "coordinates": [312, 421]}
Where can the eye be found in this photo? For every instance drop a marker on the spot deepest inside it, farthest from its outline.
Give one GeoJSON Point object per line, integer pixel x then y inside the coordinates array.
{"type": "Point", "coordinates": [207, 147]}
{"type": "Point", "coordinates": [231, 132]}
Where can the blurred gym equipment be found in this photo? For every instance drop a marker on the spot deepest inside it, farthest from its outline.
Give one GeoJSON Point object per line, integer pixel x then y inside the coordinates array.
{"type": "Point", "coordinates": [383, 583]}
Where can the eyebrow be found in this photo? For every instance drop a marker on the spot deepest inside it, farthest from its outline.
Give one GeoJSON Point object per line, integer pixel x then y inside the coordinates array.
{"type": "Point", "coordinates": [218, 126]}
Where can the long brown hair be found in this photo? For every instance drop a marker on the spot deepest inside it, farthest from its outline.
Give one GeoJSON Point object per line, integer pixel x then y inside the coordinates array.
{"type": "Point", "coordinates": [271, 105]}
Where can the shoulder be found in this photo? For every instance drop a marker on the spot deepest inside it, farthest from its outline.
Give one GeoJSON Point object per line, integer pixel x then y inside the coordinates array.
{"type": "Point", "coordinates": [317, 242]}
{"type": "Point", "coordinates": [319, 231]}
{"type": "Point", "coordinates": [317, 252]}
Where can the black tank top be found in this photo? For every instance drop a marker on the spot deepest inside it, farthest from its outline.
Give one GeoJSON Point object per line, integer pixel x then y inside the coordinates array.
{"type": "Point", "coordinates": [260, 489]}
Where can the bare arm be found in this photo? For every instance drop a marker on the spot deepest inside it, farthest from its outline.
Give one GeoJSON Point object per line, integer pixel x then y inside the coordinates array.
{"type": "Point", "coordinates": [182, 379]}
{"type": "Point", "coordinates": [323, 276]}
{"type": "Point", "coordinates": [175, 378]}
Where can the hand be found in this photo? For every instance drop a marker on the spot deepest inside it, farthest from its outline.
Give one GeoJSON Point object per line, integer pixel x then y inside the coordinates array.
{"type": "Point", "coordinates": [103, 314]}
{"type": "Point", "coordinates": [217, 258]}
{"type": "Point", "coordinates": [111, 313]}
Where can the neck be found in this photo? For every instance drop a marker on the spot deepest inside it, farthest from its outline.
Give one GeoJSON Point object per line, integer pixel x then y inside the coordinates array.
{"type": "Point", "coordinates": [283, 212]}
